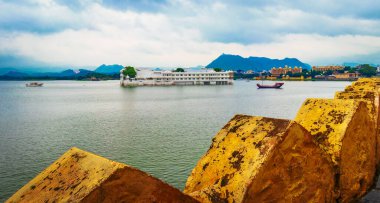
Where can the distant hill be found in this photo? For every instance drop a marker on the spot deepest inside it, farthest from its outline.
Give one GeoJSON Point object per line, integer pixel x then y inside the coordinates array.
{"type": "Point", "coordinates": [109, 69]}
{"type": "Point", "coordinates": [236, 62]}
{"type": "Point", "coordinates": [4, 71]}
{"type": "Point", "coordinates": [69, 74]}
{"type": "Point", "coordinates": [350, 64]}
{"type": "Point", "coordinates": [15, 74]}
{"type": "Point", "coordinates": [64, 73]}
{"type": "Point", "coordinates": [354, 64]}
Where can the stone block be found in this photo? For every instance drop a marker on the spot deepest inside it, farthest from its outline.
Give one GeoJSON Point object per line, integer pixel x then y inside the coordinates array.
{"type": "Point", "coordinates": [344, 130]}
{"type": "Point", "coordinates": [375, 80]}
{"type": "Point", "coordinates": [80, 176]}
{"type": "Point", "coordinates": [363, 85]}
{"type": "Point", "coordinates": [371, 98]}
{"type": "Point", "coordinates": [258, 159]}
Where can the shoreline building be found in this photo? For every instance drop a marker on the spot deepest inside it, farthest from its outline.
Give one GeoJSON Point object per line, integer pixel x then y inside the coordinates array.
{"type": "Point", "coordinates": [327, 68]}
{"type": "Point", "coordinates": [157, 77]}
{"type": "Point", "coordinates": [346, 76]}
{"type": "Point", "coordinates": [283, 71]}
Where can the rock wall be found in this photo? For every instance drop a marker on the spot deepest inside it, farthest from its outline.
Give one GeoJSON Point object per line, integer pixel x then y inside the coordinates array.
{"type": "Point", "coordinates": [329, 153]}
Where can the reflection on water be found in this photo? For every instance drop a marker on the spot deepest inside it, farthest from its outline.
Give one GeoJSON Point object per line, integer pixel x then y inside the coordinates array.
{"type": "Point", "coordinates": [160, 130]}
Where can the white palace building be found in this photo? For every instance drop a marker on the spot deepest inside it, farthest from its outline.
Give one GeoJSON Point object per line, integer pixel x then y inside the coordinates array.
{"type": "Point", "coordinates": [158, 77]}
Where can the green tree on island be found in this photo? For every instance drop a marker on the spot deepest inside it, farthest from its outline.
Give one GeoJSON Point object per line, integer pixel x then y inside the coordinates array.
{"type": "Point", "coordinates": [367, 70]}
{"type": "Point", "coordinates": [179, 70]}
{"type": "Point", "coordinates": [130, 72]}
{"type": "Point", "coordinates": [217, 69]}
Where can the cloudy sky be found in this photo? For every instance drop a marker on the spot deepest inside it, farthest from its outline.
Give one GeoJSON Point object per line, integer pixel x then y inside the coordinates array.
{"type": "Point", "coordinates": [170, 33]}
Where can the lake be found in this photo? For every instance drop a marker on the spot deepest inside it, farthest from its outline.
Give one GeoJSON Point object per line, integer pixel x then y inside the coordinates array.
{"type": "Point", "coordinates": [160, 130]}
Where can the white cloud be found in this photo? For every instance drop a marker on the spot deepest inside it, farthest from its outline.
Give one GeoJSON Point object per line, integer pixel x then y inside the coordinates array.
{"type": "Point", "coordinates": [191, 35]}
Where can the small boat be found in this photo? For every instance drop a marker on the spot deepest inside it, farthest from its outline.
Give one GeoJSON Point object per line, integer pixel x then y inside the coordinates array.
{"type": "Point", "coordinates": [276, 85]}
{"type": "Point", "coordinates": [94, 79]}
{"type": "Point", "coordinates": [34, 84]}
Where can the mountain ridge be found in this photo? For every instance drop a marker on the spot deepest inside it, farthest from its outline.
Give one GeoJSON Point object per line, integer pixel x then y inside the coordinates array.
{"type": "Point", "coordinates": [109, 69]}
{"type": "Point", "coordinates": [237, 62]}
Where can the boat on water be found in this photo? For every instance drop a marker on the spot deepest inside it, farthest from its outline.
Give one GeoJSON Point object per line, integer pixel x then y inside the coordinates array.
{"type": "Point", "coordinates": [276, 85]}
{"type": "Point", "coordinates": [94, 79]}
{"type": "Point", "coordinates": [34, 84]}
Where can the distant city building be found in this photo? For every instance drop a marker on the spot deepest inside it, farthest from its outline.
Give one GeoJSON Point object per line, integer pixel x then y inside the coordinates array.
{"type": "Point", "coordinates": [346, 75]}
{"type": "Point", "coordinates": [283, 71]}
{"type": "Point", "coordinates": [326, 68]}
{"type": "Point", "coordinates": [165, 77]}
{"type": "Point", "coordinates": [320, 77]}
{"type": "Point", "coordinates": [249, 72]}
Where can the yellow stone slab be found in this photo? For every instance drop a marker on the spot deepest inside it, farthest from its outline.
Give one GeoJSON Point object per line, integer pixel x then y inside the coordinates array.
{"type": "Point", "coordinates": [258, 159]}
{"type": "Point", "coordinates": [80, 176]}
{"type": "Point", "coordinates": [370, 97]}
{"type": "Point", "coordinates": [363, 85]}
{"type": "Point", "coordinates": [375, 80]}
{"type": "Point", "coordinates": [344, 129]}
{"type": "Point", "coordinates": [372, 100]}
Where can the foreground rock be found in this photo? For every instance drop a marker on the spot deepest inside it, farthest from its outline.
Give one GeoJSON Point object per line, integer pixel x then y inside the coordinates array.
{"type": "Point", "coordinates": [256, 159]}
{"type": "Point", "coordinates": [79, 176]}
{"type": "Point", "coordinates": [344, 129]}
{"type": "Point", "coordinates": [371, 98]}
{"type": "Point", "coordinates": [363, 85]}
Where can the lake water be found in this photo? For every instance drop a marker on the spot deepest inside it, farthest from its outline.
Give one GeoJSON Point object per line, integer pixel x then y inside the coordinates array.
{"type": "Point", "coordinates": [160, 130]}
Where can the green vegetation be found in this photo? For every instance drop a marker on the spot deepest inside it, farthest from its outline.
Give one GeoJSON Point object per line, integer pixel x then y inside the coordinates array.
{"type": "Point", "coordinates": [179, 70]}
{"type": "Point", "coordinates": [328, 72]}
{"type": "Point", "coordinates": [217, 69]}
{"type": "Point", "coordinates": [367, 70]}
{"type": "Point", "coordinates": [129, 71]}
{"type": "Point", "coordinates": [290, 74]}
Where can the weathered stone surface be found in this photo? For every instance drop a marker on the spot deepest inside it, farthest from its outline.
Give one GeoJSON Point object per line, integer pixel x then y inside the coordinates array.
{"type": "Point", "coordinates": [345, 130]}
{"type": "Point", "coordinates": [370, 97]}
{"type": "Point", "coordinates": [132, 185]}
{"type": "Point", "coordinates": [372, 100]}
{"type": "Point", "coordinates": [375, 80]}
{"type": "Point", "coordinates": [258, 159]}
{"type": "Point", "coordinates": [363, 85]}
{"type": "Point", "coordinates": [80, 176]}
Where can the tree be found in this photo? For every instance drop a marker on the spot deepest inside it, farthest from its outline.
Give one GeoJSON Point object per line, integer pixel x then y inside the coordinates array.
{"type": "Point", "coordinates": [130, 72]}
{"type": "Point", "coordinates": [367, 70]}
{"type": "Point", "coordinates": [289, 73]}
{"type": "Point", "coordinates": [179, 70]}
{"type": "Point", "coordinates": [347, 68]}
{"type": "Point", "coordinates": [328, 72]}
{"type": "Point", "coordinates": [305, 73]}
{"type": "Point", "coordinates": [217, 69]}
{"type": "Point", "coordinates": [340, 71]}
{"type": "Point", "coordinates": [313, 73]}
{"type": "Point", "coordinates": [266, 74]}
{"type": "Point", "coordinates": [297, 74]}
